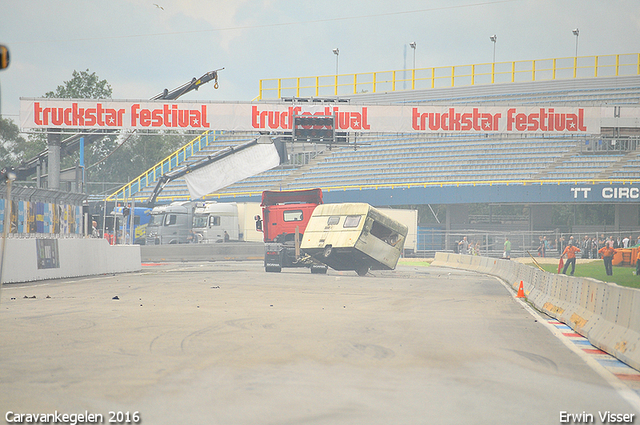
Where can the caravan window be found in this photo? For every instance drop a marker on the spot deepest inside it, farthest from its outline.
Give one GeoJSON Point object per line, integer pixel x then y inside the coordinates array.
{"type": "Point", "coordinates": [384, 233]}
{"type": "Point", "coordinates": [333, 220]}
{"type": "Point", "coordinates": [293, 215]}
{"type": "Point", "coordinates": [351, 221]}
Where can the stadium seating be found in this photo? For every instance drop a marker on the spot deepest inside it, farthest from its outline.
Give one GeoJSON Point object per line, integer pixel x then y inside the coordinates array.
{"type": "Point", "coordinates": [381, 159]}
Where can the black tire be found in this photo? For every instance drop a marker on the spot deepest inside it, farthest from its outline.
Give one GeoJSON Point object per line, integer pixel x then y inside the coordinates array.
{"type": "Point", "coordinates": [362, 270]}
{"type": "Point", "coordinates": [272, 269]}
{"type": "Point", "coordinates": [327, 251]}
{"type": "Point", "coordinates": [316, 269]}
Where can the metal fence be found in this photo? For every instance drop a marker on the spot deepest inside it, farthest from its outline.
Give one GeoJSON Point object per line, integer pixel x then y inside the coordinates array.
{"type": "Point", "coordinates": [523, 243]}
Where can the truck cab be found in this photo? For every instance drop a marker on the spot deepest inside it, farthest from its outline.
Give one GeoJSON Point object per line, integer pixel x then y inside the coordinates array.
{"type": "Point", "coordinates": [285, 214]}
{"type": "Point", "coordinates": [170, 224]}
{"type": "Point", "coordinates": [214, 222]}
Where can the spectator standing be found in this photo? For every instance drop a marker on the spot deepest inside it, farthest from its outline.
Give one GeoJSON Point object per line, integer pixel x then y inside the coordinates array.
{"type": "Point", "coordinates": [594, 248]}
{"type": "Point", "coordinates": [570, 251]}
{"type": "Point", "coordinates": [586, 247]}
{"type": "Point", "coordinates": [547, 245]}
{"type": "Point", "coordinates": [560, 245]}
{"type": "Point", "coordinates": [507, 248]}
{"type": "Point", "coordinates": [625, 242]}
{"type": "Point", "coordinates": [541, 248]}
{"type": "Point", "coordinates": [95, 233]}
{"type": "Point", "coordinates": [602, 241]}
{"type": "Point", "coordinates": [463, 246]}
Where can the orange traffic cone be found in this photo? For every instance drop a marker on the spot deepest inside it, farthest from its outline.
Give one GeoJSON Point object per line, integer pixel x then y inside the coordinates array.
{"type": "Point", "coordinates": [520, 291]}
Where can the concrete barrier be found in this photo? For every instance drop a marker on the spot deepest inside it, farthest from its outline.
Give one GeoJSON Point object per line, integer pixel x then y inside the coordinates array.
{"type": "Point", "coordinates": [606, 314]}
{"type": "Point", "coordinates": [203, 252]}
{"type": "Point", "coordinates": [28, 260]}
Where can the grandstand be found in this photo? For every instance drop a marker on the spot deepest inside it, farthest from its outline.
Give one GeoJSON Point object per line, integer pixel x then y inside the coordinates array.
{"type": "Point", "coordinates": [407, 168]}
{"type": "Point", "coordinates": [392, 159]}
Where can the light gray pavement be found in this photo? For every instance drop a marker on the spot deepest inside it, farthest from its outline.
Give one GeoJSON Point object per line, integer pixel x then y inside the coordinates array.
{"type": "Point", "coordinates": [226, 343]}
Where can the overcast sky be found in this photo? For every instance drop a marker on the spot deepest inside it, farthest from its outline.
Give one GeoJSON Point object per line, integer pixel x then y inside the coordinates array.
{"type": "Point", "coordinates": [140, 48]}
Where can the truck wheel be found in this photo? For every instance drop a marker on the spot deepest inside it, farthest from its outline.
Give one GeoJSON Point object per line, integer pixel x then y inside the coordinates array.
{"type": "Point", "coordinates": [316, 269]}
{"type": "Point", "coordinates": [327, 251]}
{"type": "Point", "coordinates": [362, 270]}
{"type": "Point", "coordinates": [272, 269]}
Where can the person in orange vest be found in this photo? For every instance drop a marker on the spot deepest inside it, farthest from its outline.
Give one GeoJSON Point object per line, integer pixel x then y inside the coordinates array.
{"type": "Point", "coordinates": [638, 263]}
{"type": "Point", "coordinates": [607, 252]}
{"type": "Point", "coordinates": [570, 252]}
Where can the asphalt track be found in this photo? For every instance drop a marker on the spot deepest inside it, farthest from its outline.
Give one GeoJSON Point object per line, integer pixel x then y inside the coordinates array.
{"type": "Point", "coordinates": [226, 343]}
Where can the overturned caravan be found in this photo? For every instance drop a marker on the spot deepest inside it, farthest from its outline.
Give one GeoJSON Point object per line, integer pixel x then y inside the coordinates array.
{"type": "Point", "coordinates": [353, 236]}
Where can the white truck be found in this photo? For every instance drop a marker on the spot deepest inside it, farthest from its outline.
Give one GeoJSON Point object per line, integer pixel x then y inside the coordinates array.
{"type": "Point", "coordinates": [170, 224]}
{"type": "Point", "coordinates": [214, 222]}
{"type": "Point", "coordinates": [202, 222]}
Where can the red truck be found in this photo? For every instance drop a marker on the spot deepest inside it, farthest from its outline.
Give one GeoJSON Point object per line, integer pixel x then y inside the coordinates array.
{"type": "Point", "coordinates": [285, 215]}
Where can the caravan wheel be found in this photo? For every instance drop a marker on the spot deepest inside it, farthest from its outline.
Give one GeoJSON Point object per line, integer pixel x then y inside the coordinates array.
{"type": "Point", "coordinates": [362, 270]}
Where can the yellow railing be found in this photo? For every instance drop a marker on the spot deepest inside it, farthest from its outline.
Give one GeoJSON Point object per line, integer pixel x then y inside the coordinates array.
{"type": "Point", "coordinates": [151, 176]}
{"type": "Point", "coordinates": [452, 76]}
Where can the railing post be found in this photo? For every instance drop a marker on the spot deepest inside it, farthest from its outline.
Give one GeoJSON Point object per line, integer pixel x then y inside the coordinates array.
{"type": "Point", "coordinates": [433, 77]}
{"type": "Point", "coordinates": [260, 91]}
{"type": "Point", "coordinates": [336, 85]}
{"type": "Point", "coordinates": [413, 79]}
{"type": "Point", "coordinates": [513, 71]}
{"type": "Point", "coordinates": [355, 83]}
{"type": "Point", "coordinates": [317, 86]}
{"type": "Point", "coordinates": [493, 72]}
{"type": "Point", "coordinates": [374, 82]}
{"type": "Point", "coordinates": [595, 72]}
{"type": "Point", "coordinates": [533, 70]}
{"type": "Point", "coordinates": [554, 69]}
{"type": "Point", "coordinates": [453, 76]}
{"type": "Point", "coordinates": [617, 64]}
{"type": "Point", "coordinates": [279, 88]}
{"type": "Point", "coordinates": [473, 75]}
{"type": "Point", "coordinates": [575, 67]}
{"type": "Point", "coordinates": [393, 80]}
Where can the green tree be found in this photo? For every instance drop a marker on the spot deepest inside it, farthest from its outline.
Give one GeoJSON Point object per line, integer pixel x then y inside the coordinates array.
{"type": "Point", "coordinates": [83, 85]}
{"type": "Point", "coordinates": [11, 143]}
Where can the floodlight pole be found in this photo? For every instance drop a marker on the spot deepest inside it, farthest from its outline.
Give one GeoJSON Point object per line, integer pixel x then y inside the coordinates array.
{"type": "Point", "coordinates": [494, 38]}
{"type": "Point", "coordinates": [413, 46]}
{"type": "Point", "coordinates": [576, 32]}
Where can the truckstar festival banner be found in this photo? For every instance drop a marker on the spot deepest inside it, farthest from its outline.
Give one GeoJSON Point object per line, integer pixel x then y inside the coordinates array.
{"type": "Point", "coordinates": [120, 114]}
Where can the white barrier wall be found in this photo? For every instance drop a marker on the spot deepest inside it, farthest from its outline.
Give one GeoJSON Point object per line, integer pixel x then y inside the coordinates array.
{"type": "Point", "coordinates": [28, 260]}
{"type": "Point", "coordinates": [607, 315]}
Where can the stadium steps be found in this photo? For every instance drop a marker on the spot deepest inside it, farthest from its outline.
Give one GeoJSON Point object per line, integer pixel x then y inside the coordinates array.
{"type": "Point", "coordinates": [618, 165]}
{"type": "Point", "coordinates": [557, 163]}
